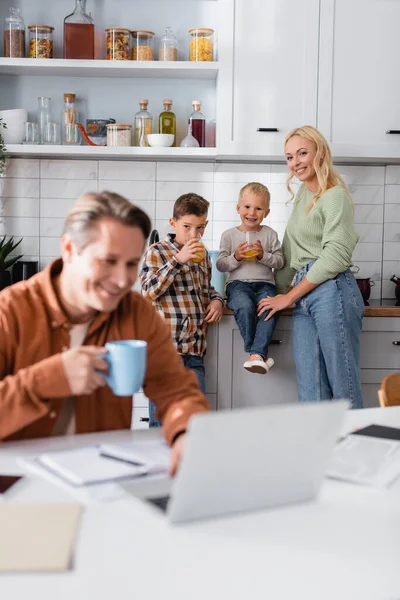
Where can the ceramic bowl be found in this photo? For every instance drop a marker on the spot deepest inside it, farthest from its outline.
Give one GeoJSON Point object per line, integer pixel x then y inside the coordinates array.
{"type": "Point", "coordinates": [160, 140]}
{"type": "Point", "coordinates": [15, 121]}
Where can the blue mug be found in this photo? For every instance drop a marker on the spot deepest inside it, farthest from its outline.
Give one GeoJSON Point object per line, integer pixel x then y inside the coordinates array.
{"type": "Point", "coordinates": [126, 361]}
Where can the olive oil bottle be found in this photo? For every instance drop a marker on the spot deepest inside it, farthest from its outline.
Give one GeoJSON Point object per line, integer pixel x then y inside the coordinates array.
{"type": "Point", "coordinates": [167, 120]}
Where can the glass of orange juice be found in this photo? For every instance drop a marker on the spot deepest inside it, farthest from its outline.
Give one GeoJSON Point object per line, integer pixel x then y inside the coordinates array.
{"type": "Point", "coordinates": [201, 252]}
{"type": "Point", "coordinates": [251, 252]}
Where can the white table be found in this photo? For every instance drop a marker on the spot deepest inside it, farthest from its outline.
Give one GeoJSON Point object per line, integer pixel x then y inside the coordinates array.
{"type": "Point", "coordinates": [346, 545]}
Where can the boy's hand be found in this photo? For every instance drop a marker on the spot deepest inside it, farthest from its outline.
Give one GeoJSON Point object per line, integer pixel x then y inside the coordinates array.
{"type": "Point", "coordinates": [257, 246]}
{"type": "Point", "coordinates": [214, 312]}
{"type": "Point", "coordinates": [240, 250]}
{"type": "Point", "coordinates": [189, 251]}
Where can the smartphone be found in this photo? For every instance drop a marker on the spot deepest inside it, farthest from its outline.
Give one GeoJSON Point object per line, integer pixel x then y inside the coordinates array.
{"type": "Point", "coordinates": [7, 481]}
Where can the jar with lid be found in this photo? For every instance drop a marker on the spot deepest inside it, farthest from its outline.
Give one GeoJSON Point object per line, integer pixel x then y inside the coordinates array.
{"type": "Point", "coordinates": [142, 45]}
{"type": "Point", "coordinates": [69, 119]}
{"type": "Point", "coordinates": [40, 41]}
{"type": "Point", "coordinates": [143, 124]}
{"type": "Point", "coordinates": [201, 45]}
{"type": "Point", "coordinates": [168, 48]}
{"type": "Point", "coordinates": [119, 134]}
{"type": "Point", "coordinates": [14, 35]}
{"type": "Point", "coordinates": [118, 43]}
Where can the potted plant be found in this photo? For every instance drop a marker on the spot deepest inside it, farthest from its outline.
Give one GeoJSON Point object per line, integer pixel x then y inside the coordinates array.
{"type": "Point", "coordinates": [6, 247]}
{"type": "Point", "coordinates": [3, 156]}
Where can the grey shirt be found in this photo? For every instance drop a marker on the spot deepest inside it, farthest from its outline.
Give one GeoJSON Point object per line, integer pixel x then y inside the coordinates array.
{"type": "Point", "coordinates": [250, 270]}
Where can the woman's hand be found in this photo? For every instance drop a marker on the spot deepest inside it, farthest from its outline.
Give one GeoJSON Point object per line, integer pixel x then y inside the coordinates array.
{"type": "Point", "coordinates": [274, 304]}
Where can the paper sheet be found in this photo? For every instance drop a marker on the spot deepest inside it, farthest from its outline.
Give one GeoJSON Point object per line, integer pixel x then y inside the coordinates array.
{"type": "Point", "coordinates": [152, 454]}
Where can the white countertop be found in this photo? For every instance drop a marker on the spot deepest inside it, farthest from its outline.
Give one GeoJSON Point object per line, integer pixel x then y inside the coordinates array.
{"type": "Point", "coordinates": [346, 545]}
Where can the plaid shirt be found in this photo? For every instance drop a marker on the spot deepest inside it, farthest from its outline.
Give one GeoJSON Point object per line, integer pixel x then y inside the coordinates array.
{"type": "Point", "coordinates": [180, 293]}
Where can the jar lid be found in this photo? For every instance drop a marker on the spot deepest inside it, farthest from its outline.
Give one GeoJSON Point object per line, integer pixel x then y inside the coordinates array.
{"type": "Point", "coordinates": [201, 31]}
{"type": "Point", "coordinates": [118, 29]}
{"type": "Point", "coordinates": [143, 33]}
{"type": "Point", "coordinates": [143, 101]}
{"type": "Point", "coordinates": [196, 102]}
{"type": "Point", "coordinates": [43, 27]}
{"type": "Point", "coordinates": [15, 17]}
{"type": "Point", "coordinates": [120, 125]}
{"type": "Point", "coordinates": [70, 97]}
{"type": "Point", "coordinates": [167, 101]}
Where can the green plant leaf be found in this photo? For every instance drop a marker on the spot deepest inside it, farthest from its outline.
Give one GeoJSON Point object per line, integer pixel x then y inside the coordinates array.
{"type": "Point", "coordinates": [9, 263]}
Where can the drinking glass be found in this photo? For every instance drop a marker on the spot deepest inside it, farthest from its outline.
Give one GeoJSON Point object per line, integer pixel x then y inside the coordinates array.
{"type": "Point", "coordinates": [31, 133]}
{"type": "Point", "coordinates": [71, 134]}
{"type": "Point", "coordinates": [52, 133]}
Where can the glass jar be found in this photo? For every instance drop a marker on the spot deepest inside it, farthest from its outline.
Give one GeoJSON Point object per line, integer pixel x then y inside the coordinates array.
{"type": "Point", "coordinates": [118, 43]}
{"type": "Point", "coordinates": [40, 41]}
{"type": "Point", "coordinates": [14, 35]}
{"type": "Point", "coordinates": [143, 45]}
{"type": "Point", "coordinates": [119, 134]}
{"type": "Point", "coordinates": [143, 124]}
{"type": "Point", "coordinates": [43, 115]}
{"type": "Point", "coordinates": [168, 48]}
{"type": "Point", "coordinates": [167, 120]}
{"type": "Point", "coordinates": [201, 45]}
{"type": "Point", "coordinates": [79, 33]}
{"type": "Point", "coordinates": [69, 118]}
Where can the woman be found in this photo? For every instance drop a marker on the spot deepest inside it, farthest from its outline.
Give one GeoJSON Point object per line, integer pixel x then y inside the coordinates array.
{"type": "Point", "coordinates": [318, 245]}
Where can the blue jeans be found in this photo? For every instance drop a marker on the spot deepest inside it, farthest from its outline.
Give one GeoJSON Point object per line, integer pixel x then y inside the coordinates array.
{"type": "Point", "coordinates": [194, 363]}
{"type": "Point", "coordinates": [326, 340]}
{"type": "Point", "coordinates": [242, 299]}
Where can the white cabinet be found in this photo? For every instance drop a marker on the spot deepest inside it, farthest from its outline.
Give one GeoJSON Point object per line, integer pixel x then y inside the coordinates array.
{"type": "Point", "coordinates": [237, 387]}
{"type": "Point", "coordinates": [359, 83]}
{"type": "Point", "coordinates": [274, 75]}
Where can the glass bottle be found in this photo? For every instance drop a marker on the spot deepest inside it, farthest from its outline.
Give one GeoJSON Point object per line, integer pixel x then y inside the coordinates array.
{"type": "Point", "coordinates": [43, 116]}
{"type": "Point", "coordinates": [167, 120]}
{"type": "Point", "coordinates": [79, 33]}
{"type": "Point", "coordinates": [189, 141]}
{"type": "Point", "coordinates": [69, 120]}
{"type": "Point", "coordinates": [143, 124]}
{"type": "Point", "coordinates": [198, 122]}
{"type": "Point", "coordinates": [14, 35]}
{"type": "Point", "coordinates": [168, 48]}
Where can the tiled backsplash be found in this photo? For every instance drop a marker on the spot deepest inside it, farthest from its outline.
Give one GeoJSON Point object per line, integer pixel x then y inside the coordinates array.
{"type": "Point", "coordinates": [37, 194]}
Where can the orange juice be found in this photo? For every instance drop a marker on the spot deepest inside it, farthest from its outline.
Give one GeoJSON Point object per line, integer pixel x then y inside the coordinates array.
{"type": "Point", "coordinates": [250, 254]}
{"type": "Point", "coordinates": [200, 255]}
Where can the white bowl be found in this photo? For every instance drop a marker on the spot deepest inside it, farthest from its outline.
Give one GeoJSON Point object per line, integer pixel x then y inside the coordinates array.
{"type": "Point", "coordinates": [160, 140]}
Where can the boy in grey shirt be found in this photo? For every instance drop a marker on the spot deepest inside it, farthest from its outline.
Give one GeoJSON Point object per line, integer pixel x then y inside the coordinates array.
{"type": "Point", "coordinates": [248, 253]}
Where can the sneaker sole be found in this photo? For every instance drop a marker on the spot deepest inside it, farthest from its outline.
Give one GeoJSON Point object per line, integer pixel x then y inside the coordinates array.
{"type": "Point", "coordinates": [256, 369]}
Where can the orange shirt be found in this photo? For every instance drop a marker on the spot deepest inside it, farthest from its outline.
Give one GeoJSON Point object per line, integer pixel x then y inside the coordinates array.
{"type": "Point", "coordinates": [34, 331]}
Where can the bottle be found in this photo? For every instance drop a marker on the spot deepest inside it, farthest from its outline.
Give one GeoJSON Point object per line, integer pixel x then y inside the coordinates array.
{"type": "Point", "coordinates": [43, 116]}
{"type": "Point", "coordinates": [69, 120]}
{"type": "Point", "coordinates": [189, 141]}
{"type": "Point", "coordinates": [168, 48]}
{"type": "Point", "coordinates": [14, 35]}
{"type": "Point", "coordinates": [143, 124]}
{"type": "Point", "coordinates": [167, 120]}
{"type": "Point", "coordinates": [198, 122]}
{"type": "Point", "coordinates": [79, 33]}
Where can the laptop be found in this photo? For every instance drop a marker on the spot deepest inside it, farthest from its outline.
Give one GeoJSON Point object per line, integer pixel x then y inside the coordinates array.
{"type": "Point", "coordinates": [249, 459]}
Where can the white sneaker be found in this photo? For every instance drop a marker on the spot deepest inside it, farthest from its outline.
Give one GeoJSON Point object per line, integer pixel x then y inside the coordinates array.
{"type": "Point", "coordinates": [259, 366]}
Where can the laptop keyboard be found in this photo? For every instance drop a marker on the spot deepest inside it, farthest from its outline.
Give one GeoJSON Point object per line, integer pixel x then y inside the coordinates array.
{"type": "Point", "coordinates": [160, 501]}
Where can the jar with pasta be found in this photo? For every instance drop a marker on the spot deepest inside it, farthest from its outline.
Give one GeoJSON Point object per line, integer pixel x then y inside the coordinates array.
{"type": "Point", "coordinates": [142, 45]}
{"type": "Point", "coordinates": [118, 43]}
{"type": "Point", "coordinates": [119, 134]}
{"type": "Point", "coordinates": [201, 45]}
{"type": "Point", "coordinates": [40, 41]}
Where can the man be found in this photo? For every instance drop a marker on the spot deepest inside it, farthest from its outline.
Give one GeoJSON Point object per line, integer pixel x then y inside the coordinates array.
{"type": "Point", "coordinates": [53, 328]}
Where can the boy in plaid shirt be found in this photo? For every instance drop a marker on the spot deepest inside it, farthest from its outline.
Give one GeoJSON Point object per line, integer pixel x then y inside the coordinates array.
{"type": "Point", "coordinates": [176, 277]}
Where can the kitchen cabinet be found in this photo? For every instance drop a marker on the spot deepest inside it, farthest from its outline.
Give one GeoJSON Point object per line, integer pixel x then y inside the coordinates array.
{"type": "Point", "coordinates": [359, 84]}
{"type": "Point", "coordinates": [113, 88]}
{"type": "Point", "coordinates": [237, 388]}
{"type": "Point", "coordinates": [274, 76]}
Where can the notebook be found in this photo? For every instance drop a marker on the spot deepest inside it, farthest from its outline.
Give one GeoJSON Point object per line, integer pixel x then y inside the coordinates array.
{"type": "Point", "coordinates": [154, 455]}
{"type": "Point", "coordinates": [84, 466]}
{"type": "Point", "coordinates": [37, 537]}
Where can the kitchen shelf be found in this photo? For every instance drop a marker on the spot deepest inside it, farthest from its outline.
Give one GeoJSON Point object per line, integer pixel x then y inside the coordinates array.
{"type": "Point", "coordinates": [109, 68]}
{"type": "Point", "coordinates": [131, 152]}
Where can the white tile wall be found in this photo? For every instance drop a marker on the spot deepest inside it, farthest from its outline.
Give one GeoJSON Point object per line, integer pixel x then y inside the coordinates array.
{"type": "Point", "coordinates": [35, 196]}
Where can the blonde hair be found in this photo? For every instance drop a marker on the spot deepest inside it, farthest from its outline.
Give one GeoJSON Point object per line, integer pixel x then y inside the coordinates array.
{"type": "Point", "coordinates": [84, 216]}
{"type": "Point", "coordinates": [258, 189]}
{"type": "Point", "coordinates": [327, 175]}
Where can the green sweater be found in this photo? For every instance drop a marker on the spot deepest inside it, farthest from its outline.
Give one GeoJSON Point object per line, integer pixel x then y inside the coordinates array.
{"type": "Point", "coordinates": [325, 233]}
